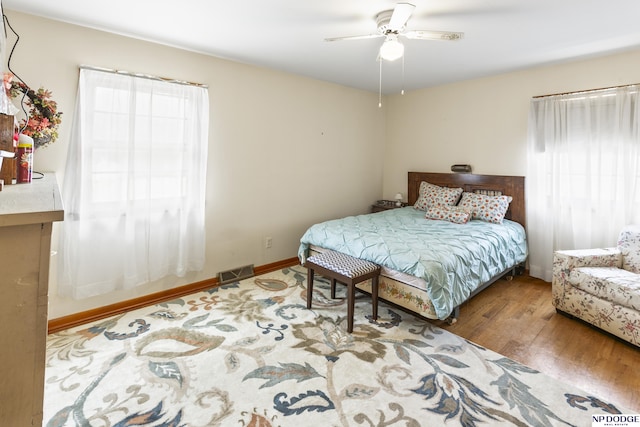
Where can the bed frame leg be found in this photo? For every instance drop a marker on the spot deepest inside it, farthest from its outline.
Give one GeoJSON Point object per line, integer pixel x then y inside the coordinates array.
{"type": "Point", "coordinates": [453, 317]}
{"type": "Point", "coordinates": [517, 270]}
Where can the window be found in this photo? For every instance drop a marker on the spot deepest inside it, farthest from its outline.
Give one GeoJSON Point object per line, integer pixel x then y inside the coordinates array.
{"type": "Point", "coordinates": [134, 183]}
{"type": "Point", "coordinates": [583, 179]}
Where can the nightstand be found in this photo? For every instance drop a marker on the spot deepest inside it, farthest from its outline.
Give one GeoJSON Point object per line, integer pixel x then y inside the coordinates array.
{"type": "Point", "coordinates": [383, 205]}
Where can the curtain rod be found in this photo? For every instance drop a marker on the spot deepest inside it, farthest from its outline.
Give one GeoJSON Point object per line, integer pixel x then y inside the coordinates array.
{"type": "Point", "coordinates": [586, 91]}
{"type": "Point", "coordinates": [144, 76]}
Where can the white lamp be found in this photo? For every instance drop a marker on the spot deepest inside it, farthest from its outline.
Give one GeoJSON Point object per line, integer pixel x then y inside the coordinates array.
{"type": "Point", "coordinates": [398, 200]}
{"type": "Point", "coordinates": [391, 49]}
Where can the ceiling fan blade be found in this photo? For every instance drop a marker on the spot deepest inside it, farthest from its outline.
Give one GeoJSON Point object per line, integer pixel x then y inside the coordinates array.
{"type": "Point", "coordinates": [433, 35]}
{"type": "Point", "coordinates": [368, 36]}
{"type": "Point", "coordinates": [401, 15]}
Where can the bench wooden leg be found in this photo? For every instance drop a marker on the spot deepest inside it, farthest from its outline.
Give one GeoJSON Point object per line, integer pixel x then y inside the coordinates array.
{"type": "Point", "coordinates": [309, 286]}
{"type": "Point", "coordinates": [351, 296]}
{"type": "Point", "coordinates": [374, 297]}
{"type": "Point", "coordinates": [333, 288]}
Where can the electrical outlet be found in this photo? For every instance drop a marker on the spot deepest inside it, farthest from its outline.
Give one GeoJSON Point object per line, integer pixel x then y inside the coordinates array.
{"type": "Point", "coordinates": [268, 241]}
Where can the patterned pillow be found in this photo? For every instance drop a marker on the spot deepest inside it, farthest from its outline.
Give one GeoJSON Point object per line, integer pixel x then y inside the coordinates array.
{"type": "Point", "coordinates": [485, 208]}
{"type": "Point", "coordinates": [433, 195]}
{"type": "Point", "coordinates": [453, 214]}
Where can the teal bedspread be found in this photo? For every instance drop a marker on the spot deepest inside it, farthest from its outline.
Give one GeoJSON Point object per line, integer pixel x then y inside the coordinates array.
{"type": "Point", "coordinates": [453, 259]}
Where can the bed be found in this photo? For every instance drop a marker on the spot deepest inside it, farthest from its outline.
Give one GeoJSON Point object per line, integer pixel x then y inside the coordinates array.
{"type": "Point", "coordinates": [432, 266]}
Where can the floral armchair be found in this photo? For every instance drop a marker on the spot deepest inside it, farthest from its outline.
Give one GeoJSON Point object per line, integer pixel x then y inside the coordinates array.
{"type": "Point", "coordinates": [602, 286]}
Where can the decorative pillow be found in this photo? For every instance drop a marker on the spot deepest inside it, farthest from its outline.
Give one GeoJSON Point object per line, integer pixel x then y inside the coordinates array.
{"type": "Point", "coordinates": [432, 196]}
{"type": "Point", "coordinates": [485, 208]}
{"type": "Point", "coordinates": [453, 214]}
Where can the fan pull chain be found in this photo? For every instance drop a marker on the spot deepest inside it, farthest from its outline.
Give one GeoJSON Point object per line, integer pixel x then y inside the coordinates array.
{"type": "Point", "coordinates": [380, 86]}
{"type": "Point", "coordinates": [402, 91]}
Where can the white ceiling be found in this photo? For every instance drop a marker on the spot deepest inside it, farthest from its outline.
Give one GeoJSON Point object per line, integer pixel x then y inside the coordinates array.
{"type": "Point", "coordinates": [288, 35]}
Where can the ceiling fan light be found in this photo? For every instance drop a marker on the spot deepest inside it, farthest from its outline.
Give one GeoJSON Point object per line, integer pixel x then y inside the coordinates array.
{"type": "Point", "coordinates": [391, 49]}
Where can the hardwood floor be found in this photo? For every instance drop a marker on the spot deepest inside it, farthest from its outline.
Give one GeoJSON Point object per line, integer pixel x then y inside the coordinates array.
{"type": "Point", "coordinates": [516, 319]}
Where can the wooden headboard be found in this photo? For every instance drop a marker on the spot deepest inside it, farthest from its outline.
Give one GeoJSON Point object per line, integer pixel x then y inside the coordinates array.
{"type": "Point", "coordinates": [508, 185]}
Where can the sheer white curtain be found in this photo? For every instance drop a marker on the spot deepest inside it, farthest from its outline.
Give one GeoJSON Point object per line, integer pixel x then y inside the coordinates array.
{"type": "Point", "coordinates": [583, 173]}
{"type": "Point", "coordinates": [134, 183]}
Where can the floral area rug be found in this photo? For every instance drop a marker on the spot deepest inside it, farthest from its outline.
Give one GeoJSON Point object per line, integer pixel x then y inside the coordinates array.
{"type": "Point", "coordinates": [250, 354]}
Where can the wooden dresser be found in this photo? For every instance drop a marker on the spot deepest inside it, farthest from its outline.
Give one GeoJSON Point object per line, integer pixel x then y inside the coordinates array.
{"type": "Point", "coordinates": [27, 213]}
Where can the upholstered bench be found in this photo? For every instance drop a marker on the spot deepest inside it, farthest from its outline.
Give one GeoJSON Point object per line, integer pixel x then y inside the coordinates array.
{"type": "Point", "coordinates": [347, 270]}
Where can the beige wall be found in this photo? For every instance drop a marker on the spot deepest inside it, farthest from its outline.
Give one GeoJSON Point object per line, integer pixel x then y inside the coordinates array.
{"type": "Point", "coordinates": [483, 122]}
{"type": "Point", "coordinates": [273, 137]}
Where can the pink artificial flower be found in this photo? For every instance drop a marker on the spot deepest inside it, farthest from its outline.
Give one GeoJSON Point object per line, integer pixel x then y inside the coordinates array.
{"type": "Point", "coordinates": [33, 124]}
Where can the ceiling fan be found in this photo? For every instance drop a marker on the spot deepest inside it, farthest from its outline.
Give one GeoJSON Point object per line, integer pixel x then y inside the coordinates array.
{"type": "Point", "coordinates": [392, 24]}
